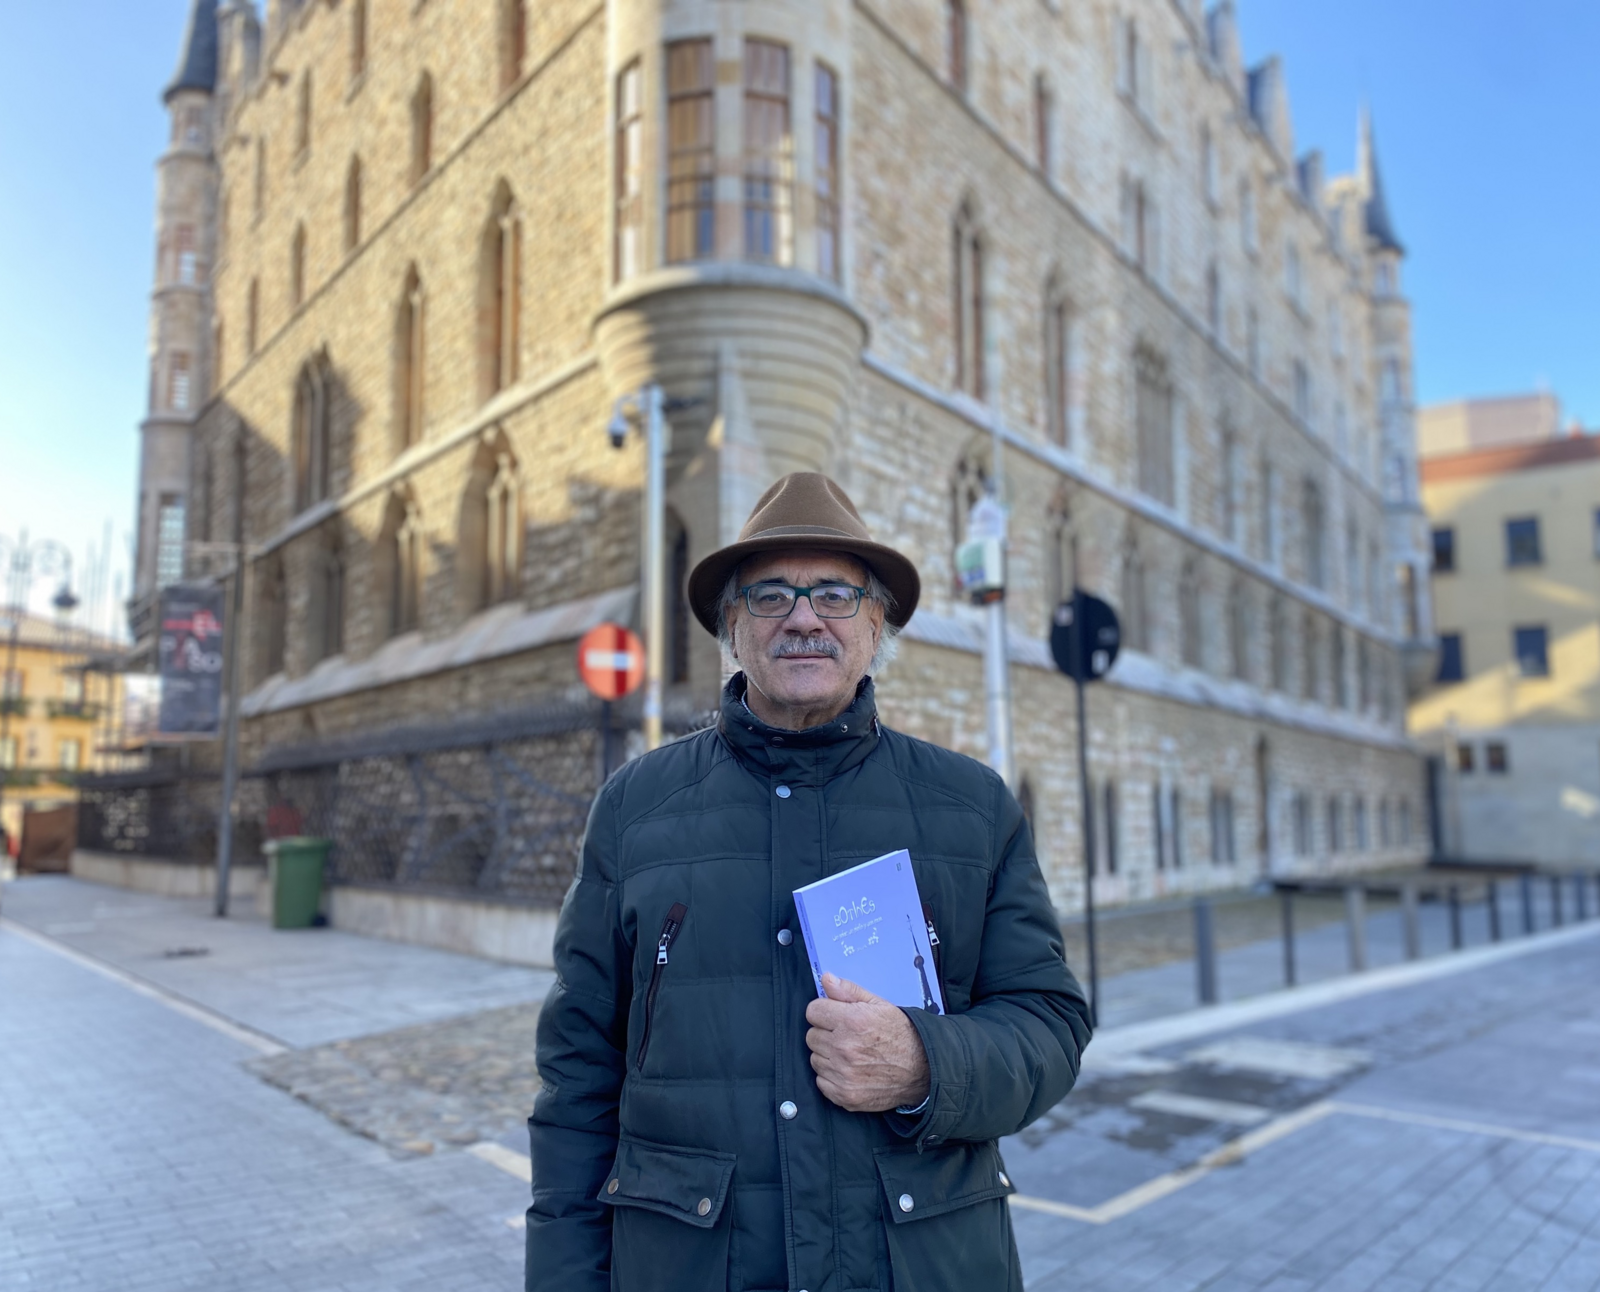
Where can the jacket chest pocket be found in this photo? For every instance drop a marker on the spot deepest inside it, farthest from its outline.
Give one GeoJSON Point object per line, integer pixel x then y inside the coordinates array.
{"type": "Point", "coordinates": [670, 1220]}
{"type": "Point", "coordinates": [964, 1186]}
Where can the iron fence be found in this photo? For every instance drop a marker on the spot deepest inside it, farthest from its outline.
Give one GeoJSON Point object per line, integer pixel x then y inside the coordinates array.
{"type": "Point", "coordinates": [494, 808]}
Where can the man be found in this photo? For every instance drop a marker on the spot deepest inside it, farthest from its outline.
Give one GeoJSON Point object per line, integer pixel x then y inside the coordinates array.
{"type": "Point", "coordinates": [706, 1122]}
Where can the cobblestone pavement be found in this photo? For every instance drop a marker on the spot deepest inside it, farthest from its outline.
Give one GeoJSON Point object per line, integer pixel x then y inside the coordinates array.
{"type": "Point", "coordinates": [456, 1082]}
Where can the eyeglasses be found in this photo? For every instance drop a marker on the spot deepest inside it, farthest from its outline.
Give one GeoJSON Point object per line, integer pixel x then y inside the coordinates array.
{"type": "Point", "coordinates": [828, 600]}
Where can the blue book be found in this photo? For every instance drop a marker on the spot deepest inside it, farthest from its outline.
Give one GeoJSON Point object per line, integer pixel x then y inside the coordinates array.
{"type": "Point", "coordinates": [866, 924]}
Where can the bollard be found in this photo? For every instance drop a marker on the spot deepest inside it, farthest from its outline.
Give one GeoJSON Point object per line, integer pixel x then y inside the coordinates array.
{"type": "Point", "coordinates": [1525, 885]}
{"type": "Point", "coordinates": [1455, 918]}
{"type": "Point", "coordinates": [1492, 900]}
{"type": "Point", "coordinates": [1355, 914]}
{"type": "Point", "coordinates": [1205, 952]}
{"type": "Point", "coordinates": [1580, 899]}
{"type": "Point", "coordinates": [1557, 918]}
{"type": "Point", "coordinates": [1286, 898]}
{"type": "Point", "coordinates": [1410, 925]}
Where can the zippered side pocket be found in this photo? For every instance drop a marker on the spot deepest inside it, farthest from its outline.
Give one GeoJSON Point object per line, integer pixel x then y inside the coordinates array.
{"type": "Point", "coordinates": [938, 954]}
{"type": "Point", "coordinates": [669, 932]}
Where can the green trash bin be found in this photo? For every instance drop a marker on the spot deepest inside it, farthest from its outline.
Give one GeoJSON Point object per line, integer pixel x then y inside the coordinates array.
{"type": "Point", "coordinates": [294, 869]}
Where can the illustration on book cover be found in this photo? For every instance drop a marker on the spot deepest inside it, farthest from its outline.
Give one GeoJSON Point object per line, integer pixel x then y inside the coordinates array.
{"type": "Point", "coordinates": [867, 924]}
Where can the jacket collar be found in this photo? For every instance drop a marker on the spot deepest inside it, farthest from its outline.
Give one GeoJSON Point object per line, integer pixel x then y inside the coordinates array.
{"type": "Point", "coordinates": [809, 757]}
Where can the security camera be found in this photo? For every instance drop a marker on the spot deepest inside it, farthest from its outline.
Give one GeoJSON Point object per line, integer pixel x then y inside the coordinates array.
{"type": "Point", "coordinates": [618, 430]}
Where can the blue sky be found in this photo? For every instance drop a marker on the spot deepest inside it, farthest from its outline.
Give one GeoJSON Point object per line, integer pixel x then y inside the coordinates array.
{"type": "Point", "coordinates": [1486, 118]}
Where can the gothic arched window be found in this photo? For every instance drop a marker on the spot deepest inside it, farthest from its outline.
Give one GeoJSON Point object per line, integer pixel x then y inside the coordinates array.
{"type": "Point", "coordinates": [400, 559]}
{"type": "Point", "coordinates": [499, 295]}
{"type": "Point", "coordinates": [422, 129]}
{"type": "Point", "coordinates": [410, 365]}
{"type": "Point", "coordinates": [309, 440]}
{"type": "Point", "coordinates": [1153, 407]}
{"type": "Point", "coordinates": [491, 527]}
{"type": "Point", "coordinates": [969, 304]}
{"type": "Point", "coordinates": [352, 205]}
{"type": "Point", "coordinates": [955, 49]}
{"type": "Point", "coordinates": [513, 41]}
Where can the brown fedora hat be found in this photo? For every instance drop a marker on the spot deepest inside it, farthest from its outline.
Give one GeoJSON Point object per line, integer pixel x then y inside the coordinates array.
{"type": "Point", "coordinates": [804, 511]}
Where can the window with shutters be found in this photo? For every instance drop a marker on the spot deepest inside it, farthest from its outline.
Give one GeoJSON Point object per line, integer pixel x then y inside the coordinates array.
{"type": "Point", "coordinates": [768, 154]}
{"type": "Point", "coordinates": [691, 151]}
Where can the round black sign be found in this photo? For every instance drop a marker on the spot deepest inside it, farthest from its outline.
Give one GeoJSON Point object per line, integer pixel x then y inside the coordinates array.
{"type": "Point", "coordinates": [1087, 654]}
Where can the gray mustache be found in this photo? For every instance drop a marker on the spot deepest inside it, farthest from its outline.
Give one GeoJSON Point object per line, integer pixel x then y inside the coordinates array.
{"type": "Point", "coordinates": [805, 646]}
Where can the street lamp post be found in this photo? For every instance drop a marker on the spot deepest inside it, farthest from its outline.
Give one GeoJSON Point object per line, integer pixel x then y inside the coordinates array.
{"type": "Point", "coordinates": [25, 564]}
{"type": "Point", "coordinates": [647, 408]}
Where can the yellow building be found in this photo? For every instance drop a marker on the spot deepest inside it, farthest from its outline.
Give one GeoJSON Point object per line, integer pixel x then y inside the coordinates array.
{"type": "Point", "coordinates": [53, 715]}
{"type": "Point", "coordinates": [1515, 716]}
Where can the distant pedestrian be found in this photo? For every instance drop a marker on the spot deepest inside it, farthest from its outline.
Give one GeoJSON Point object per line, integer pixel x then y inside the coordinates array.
{"type": "Point", "coordinates": [706, 1122]}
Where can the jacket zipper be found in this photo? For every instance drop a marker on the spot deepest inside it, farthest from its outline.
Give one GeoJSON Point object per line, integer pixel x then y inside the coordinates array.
{"type": "Point", "coordinates": [669, 931]}
{"type": "Point", "coordinates": [938, 954]}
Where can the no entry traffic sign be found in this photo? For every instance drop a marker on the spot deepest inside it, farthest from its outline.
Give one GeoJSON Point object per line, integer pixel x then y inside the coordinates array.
{"type": "Point", "coordinates": [611, 660]}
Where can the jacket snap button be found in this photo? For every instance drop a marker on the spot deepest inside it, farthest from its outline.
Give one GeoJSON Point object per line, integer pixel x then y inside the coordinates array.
{"type": "Point", "coordinates": [777, 740]}
{"type": "Point", "coordinates": [1005, 1179]}
{"type": "Point", "coordinates": [905, 1202]}
{"type": "Point", "coordinates": [783, 791]}
{"type": "Point", "coordinates": [613, 1186]}
{"type": "Point", "coordinates": [704, 1208]}
{"type": "Point", "coordinates": [785, 937]}
{"type": "Point", "coordinates": [787, 1110]}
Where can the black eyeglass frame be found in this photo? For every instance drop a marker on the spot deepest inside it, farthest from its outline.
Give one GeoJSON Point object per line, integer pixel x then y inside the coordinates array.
{"type": "Point", "coordinates": [861, 596]}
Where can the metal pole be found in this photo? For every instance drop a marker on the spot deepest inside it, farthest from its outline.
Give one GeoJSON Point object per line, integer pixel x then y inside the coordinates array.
{"type": "Point", "coordinates": [1492, 899]}
{"type": "Point", "coordinates": [1088, 833]}
{"type": "Point", "coordinates": [230, 730]}
{"type": "Point", "coordinates": [1525, 885]}
{"type": "Point", "coordinates": [1455, 918]}
{"type": "Point", "coordinates": [655, 570]}
{"type": "Point", "coordinates": [1205, 952]}
{"type": "Point", "coordinates": [1557, 915]}
{"type": "Point", "coordinates": [1355, 914]}
{"type": "Point", "coordinates": [996, 664]}
{"type": "Point", "coordinates": [1286, 900]}
{"type": "Point", "coordinates": [1410, 925]}
{"type": "Point", "coordinates": [1580, 898]}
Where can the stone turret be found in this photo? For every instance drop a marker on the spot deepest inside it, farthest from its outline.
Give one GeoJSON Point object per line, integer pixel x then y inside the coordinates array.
{"type": "Point", "coordinates": [180, 314]}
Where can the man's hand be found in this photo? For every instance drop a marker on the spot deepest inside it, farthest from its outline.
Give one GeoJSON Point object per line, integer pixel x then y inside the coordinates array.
{"type": "Point", "coordinates": [867, 1056]}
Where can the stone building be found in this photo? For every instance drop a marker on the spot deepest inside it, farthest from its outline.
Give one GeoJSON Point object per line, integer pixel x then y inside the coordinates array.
{"type": "Point", "coordinates": [1064, 251]}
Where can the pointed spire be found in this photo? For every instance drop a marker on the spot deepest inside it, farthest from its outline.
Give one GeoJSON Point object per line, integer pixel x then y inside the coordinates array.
{"type": "Point", "coordinates": [1379, 227]}
{"type": "Point", "coordinates": [197, 63]}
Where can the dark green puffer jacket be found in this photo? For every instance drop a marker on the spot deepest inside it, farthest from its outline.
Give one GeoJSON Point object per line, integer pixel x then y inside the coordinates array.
{"type": "Point", "coordinates": [662, 1158]}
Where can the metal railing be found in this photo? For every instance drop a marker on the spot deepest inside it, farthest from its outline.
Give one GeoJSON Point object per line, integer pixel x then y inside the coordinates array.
{"type": "Point", "coordinates": [494, 808]}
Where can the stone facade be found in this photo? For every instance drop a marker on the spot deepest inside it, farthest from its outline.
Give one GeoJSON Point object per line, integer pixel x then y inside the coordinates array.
{"type": "Point", "coordinates": [1162, 338]}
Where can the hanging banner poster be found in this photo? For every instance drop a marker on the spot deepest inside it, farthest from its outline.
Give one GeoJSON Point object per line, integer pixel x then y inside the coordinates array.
{"type": "Point", "coordinates": [190, 644]}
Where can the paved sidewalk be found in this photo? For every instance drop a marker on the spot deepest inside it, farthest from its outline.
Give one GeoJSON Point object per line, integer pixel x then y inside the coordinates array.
{"type": "Point", "coordinates": [302, 987]}
{"type": "Point", "coordinates": [136, 1152]}
{"type": "Point", "coordinates": [1440, 1134]}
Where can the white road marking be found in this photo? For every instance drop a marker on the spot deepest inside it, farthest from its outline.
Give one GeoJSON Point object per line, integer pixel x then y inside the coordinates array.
{"type": "Point", "coordinates": [1199, 1108]}
{"type": "Point", "coordinates": [257, 1041]}
{"type": "Point", "coordinates": [1467, 1127]}
{"type": "Point", "coordinates": [505, 1159]}
{"type": "Point", "coordinates": [1280, 1058]}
